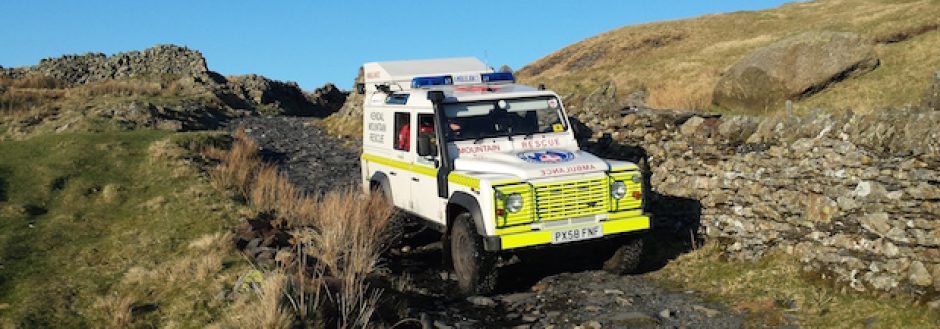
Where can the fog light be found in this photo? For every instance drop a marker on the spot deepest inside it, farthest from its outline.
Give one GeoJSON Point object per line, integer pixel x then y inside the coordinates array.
{"type": "Point", "coordinates": [514, 202]}
{"type": "Point", "coordinates": [618, 190]}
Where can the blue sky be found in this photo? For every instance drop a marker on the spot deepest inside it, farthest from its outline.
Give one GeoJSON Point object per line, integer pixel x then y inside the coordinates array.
{"type": "Point", "coordinates": [313, 42]}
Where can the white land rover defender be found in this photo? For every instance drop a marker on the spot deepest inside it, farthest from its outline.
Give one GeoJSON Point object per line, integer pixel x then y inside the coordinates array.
{"type": "Point", "coordinates": [493, 165]}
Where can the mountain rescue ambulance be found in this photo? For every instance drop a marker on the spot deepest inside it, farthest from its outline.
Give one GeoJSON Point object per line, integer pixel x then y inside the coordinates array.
{"type": "Point", "coordinates": [494, 166]}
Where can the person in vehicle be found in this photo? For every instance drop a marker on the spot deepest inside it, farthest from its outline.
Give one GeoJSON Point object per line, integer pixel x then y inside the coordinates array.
{"type": "Point", "coordinates": [404, 134]}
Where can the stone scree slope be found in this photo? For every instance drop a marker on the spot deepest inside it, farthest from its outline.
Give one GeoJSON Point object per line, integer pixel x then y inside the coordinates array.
{"type": "Point", "coordinates": [853, 196]}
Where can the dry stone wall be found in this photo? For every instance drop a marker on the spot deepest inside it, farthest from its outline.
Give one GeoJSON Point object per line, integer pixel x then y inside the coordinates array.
{"type": "Point", "coordinates": [854, 196]}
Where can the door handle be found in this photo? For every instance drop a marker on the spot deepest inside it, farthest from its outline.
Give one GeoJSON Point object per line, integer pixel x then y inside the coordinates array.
{"type": "Point", "coordinates": [392, 173]}
{"type": "Point", "coordinates": [415, 179]}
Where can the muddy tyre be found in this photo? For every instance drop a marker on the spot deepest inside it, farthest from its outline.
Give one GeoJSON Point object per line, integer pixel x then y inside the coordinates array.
{"type": "Point", "coordinates": [474, 268]}
{"type": "Point", "coordinates": [626, 258]}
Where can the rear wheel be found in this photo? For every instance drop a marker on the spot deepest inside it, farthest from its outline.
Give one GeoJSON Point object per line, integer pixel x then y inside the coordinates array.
{"type": "Point", "coordinates": [626, 258]}
{"type": "Point", "coordinates": [395, 230]}
{"type": "Point", "coordinates": [474, 268]}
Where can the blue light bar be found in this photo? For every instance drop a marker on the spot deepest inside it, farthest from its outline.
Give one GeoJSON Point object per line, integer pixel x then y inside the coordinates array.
{"type": "Point", "coordinates": [497, 77]}
{"type": "Point", "coordinates": [431, 81]}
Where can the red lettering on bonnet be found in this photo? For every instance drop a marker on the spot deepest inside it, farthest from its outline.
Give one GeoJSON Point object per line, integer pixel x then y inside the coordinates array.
{"type": "Point", "coordinates": [472, 149]}
{"type": "Point", "coordinates": [541, 143]}
{"type": "Point", "coordinates": [568, 170]}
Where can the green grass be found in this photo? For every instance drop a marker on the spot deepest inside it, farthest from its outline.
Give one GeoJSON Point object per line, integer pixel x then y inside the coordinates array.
{"type": "Point", "coordinates": [774, 287]}
{"type": "Point", "coordinates": [87, 219]}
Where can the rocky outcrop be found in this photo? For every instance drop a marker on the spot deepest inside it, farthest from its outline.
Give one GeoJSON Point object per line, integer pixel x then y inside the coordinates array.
{"type": "Point", "coordinates": [190, 95]}
{"type": "Point", "coordinates": [932, 96]}
{"type": "Point", "coordinates": [329, 97]}
{"type": "Point", "coordinates": [856, 197]}
{"type": "Point", "coordinates": [792, 69]}
{"type": "Point", "coordinates": [284, 97]}
{"type": "Point", "coordinates": [159, 61]}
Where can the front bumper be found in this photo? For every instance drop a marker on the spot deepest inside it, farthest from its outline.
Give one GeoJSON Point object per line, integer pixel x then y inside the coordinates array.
{"type": "Point", "coordinates": [526, 236]}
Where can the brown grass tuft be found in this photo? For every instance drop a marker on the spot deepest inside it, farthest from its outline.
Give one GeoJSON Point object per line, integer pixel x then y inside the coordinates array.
{"type": "Point", "coordinates": [345, 231]}
{"type": "Point", "coordinates": [273, 314]}
{"type": "Point", "coordinates": [679, 97]}
{"type": "Point", "coordinates": [271, 191]}
{"type": "Point", "coordinates": [118, 308]}
{"type": "Point", "coordinates": [347, 241]}
{"type": "Point", "coordinates": [238, 166]}
{"type": "Point", "coordinates": [33, 81]}
{"type": "Point", "coordinates": [120, 88]}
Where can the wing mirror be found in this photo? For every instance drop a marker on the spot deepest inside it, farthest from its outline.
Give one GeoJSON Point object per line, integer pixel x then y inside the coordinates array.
{"type": "Point", "coordinates": [361, 88]}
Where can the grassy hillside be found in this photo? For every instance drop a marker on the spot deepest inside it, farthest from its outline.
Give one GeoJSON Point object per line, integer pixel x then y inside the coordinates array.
{"type": "Point", "coordinates": [679, 62]}
{"type": "Point", "coordinates": [97, 229]}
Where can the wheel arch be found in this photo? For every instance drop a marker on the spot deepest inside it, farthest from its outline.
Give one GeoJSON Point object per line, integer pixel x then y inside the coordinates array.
{"type": "Point", "coordinates": [463, 202]}
{"type": "Point", "coordinates": [380, 180]}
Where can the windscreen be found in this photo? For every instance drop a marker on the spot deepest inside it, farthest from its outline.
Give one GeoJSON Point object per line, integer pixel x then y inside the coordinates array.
{"type": "Point", "coordinates": [507, 117]}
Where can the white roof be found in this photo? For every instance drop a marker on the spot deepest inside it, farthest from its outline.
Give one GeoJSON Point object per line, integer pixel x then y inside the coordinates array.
{"type": "Point", "coordinates": [402, 72]}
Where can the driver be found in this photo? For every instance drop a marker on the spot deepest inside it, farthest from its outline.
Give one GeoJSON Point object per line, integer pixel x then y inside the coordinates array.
{"type": "Point", "coordinates": [455, 128]}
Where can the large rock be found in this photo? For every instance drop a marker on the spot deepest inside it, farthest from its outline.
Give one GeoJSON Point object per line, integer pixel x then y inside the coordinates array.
{"type": "Point", "coordinates": [932, 97]}
{"type": "Point", "coordinates": [792, 69]}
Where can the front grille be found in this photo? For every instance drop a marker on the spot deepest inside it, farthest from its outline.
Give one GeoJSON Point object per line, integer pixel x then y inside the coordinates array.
{"type": "Point", "coordinates": [570, 199]}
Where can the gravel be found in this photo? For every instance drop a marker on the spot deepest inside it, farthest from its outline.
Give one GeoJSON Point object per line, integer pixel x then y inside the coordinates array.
{"type": "Point", "coordinates": [312, 159]}
{"type": "Point", "coordinates": [538, 295]}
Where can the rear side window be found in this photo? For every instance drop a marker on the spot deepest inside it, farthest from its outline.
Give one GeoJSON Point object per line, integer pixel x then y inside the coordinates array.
{"type": "Point", "coordinates": [402, 138]}
{"type": "Point", "coordinates": [397, 99]}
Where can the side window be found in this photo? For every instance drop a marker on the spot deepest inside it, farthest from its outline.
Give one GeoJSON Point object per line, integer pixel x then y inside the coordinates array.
{"type": "Point", "coordinates": [396, 99]}
{"type": "Point", "coordinates": [402, 131]}
{"type": "Point", "coordinates": [426, 129]}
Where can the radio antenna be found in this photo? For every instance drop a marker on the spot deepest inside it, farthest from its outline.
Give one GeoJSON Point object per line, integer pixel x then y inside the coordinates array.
{"type": "Point", "coordinates": [486, 59]}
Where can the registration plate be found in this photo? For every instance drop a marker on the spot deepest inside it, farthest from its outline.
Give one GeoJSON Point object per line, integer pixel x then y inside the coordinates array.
{"type": "Point", "coordinates": [577, 234]}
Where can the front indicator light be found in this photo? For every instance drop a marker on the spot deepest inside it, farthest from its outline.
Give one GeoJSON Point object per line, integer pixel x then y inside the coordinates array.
{"type": "Point", "coordinates": [618, 190]}
{"type": "Point", "coordinates": [637, 195]}
{"type": "Point", "coordinates": [514, 203]}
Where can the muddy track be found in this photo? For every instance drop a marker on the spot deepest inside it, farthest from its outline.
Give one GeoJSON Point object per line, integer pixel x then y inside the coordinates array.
{"type": "Point", "coordinates": [565, 291]}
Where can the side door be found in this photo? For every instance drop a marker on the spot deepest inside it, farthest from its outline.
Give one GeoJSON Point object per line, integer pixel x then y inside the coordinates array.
{"type": "Point", "coordinates": [427, 203]}
{"type": "Point", "coordinates": [399, 171]}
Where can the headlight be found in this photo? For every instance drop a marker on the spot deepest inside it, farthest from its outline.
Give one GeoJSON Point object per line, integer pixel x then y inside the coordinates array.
{"type": "Point", "coordinates": [618, 190]}
{"type": "Point", "coordinates": [514, 202]}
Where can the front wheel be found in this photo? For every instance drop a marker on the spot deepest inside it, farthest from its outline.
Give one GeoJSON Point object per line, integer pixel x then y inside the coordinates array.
{"type": "Point", "coordinates": [626, 259]}
{"type": "Point", "coordinates": [474, 268]}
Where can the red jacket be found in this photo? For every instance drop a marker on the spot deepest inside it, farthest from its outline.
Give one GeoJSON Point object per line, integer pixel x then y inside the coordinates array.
{"type": "Point", "coordinates": [404, 135]}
